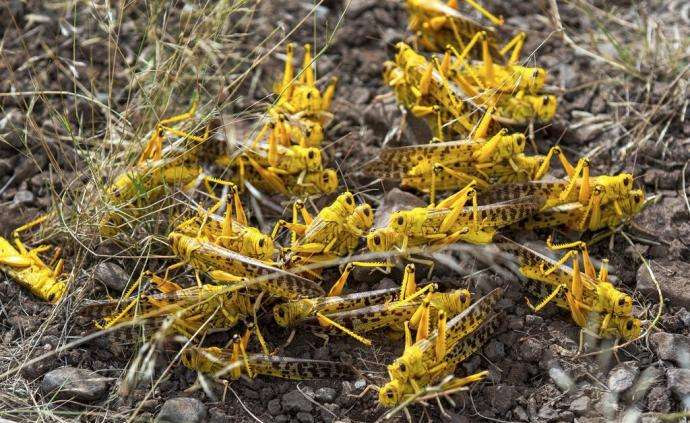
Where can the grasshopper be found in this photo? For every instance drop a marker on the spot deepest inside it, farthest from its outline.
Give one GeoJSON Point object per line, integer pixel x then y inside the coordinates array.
{"type": "Point", "coordinates": [235, 361]}
{"type": "Point", "coordinates": [437, 23]}
{"type": "Point", "coordinates": [333, 232]}
{"type": "Point", "coordinates": [509, 77]}
{"type": "Point", "coordinates": [575, 216]}
{"type": "Point", "coordinates": [210, 307]}
{"type": "Point", "coordinates": [226, 266]}
{"type": "Point", "coordinates": [591, 193]}
{"type": "Point", "coordinates": [26, 267]}
{"type": "Point", "coordinates": [580, 293]}
{"type": "Point", "coordinates": [424, 89]}
{"type": "Point", "coordinates": [449, 222]}
{"type": "Point", "coordinates": [155, 173]}
{"type": "Point", "coordinates": [233, 234]}
{"type": "Point", "coordinates": [435, 354]}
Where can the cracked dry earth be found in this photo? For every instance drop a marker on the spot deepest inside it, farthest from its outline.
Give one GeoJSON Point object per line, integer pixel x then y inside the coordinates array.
{"type": "Point", "coordinates": [535, 373]}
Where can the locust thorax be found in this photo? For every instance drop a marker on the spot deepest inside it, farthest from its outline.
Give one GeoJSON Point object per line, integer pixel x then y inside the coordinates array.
{"type": "Point", "coordinates": [454, 302]}
{"type": "Point", "coordinates": [182, 245]}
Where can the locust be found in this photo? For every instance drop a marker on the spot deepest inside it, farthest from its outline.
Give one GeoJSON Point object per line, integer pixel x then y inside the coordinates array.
{"type": "Point", "coordinates": [228, 267]}
{"type": "Point", "coordinates": [582, 293]}
{"type": "Point", "coordinates": [208, 307]}
{"type": "Point", "coordinates": [448, 222]}
{"type": "Point", "coordinates": [235, 361]}
{"type": "Point", "coordinates": [435, 354]}
{"type": "Point", "coordinates": [25, 266]}
{"type": "Point", "coordinates": [437, 24]}
{"type": "Point", "coordinates": [576, 217]}
{"type": "Point", "coordinates": [486, 73]}
{"type": "Point", "coordinates": [593, 195]}
{"type": "Point", "coordinates": [335, 231]}
{"type": "Point", "coordinates": [301, 111]}
{"type": "Point", "coordinates": [232, 233]}
{"type": "Point", "coordinates": [155, 173]}
{"type": "Point", "coordinates": [454, 106]}
{"type": "Point", "coordinates": [463, 161]}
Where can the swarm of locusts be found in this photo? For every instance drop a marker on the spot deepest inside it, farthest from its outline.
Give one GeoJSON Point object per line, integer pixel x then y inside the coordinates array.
{"type": "Point", "coordinates": [480, 103]}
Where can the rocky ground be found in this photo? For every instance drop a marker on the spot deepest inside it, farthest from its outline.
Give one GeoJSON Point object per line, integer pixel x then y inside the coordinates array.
{"type": "Point", "coordinates": [627, 112]}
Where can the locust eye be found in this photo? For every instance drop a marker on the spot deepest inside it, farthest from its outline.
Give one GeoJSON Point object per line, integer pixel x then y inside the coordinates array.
{"type": "Point", "coordinates": [325, 177]}
{"type": "Point", "coordinates": [367, 212]}
{"type": "Point", "coordinates": [377, 240]}
{"type": "Point", "coordinates": [307, 132]}
{"type": "Point", "coordinates": [389, 394]}
{"type": "Point", "coordinates": [621, 301]}
{"type": "Point", "coordinates": [281, 312]}
{"type": "Point", "coordinates": [400, 220]}
{"type": "Point", "coordinates": [629, 325]}
{"type": "Point", "coordinates": [310, 154]}
{"type": "Point", "coordinates": [309, 95]}
{"type": "Point", "coordinates": [403, 368]}
{"type": "Point", "coordinates": [348, 200]}
{"type": "Point", "coordinates": [536, 73]}
{"type": "Point", "coordinates": [545, 100]}
{"type": "Point", "coordinates": [637, 198]}
{"type": "Point", "coordinates": [463, 297]}
{"type": "Point", "coordinates": [262, 242]}
{"type": "Point", "coordinates": [626, 181]}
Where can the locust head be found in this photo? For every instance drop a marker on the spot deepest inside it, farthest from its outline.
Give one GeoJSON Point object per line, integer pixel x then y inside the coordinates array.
{"type": "Point", "coordinates": [622, 303]}
{"type": "Point", "coordinates": [400, 221]}
{"type": "Point", "coordinates": [545, 106]}
{"type": "Point", "coordinates": [635, 202]}
{"type": "Point", "coordinates": [629, 327]}
{"type": "Point", "coordinates": [460, 300]}
{"type": "Point", "coordinates": [327, 181]}
{"type": "Point", "coordinates": [345, 202]}
{"type": "Point", "coordinates": [381, 239]}
{"type": "Point", "coordinates": [531, 79]}
{"type": "Point", "coordinates": [262, 246]}
{"type": "Point", "coordinates": [363, 217]}
{"type": "Point", "coordinates": [311, 157]}
{"type": "Point", "coordinates": [391, 393]}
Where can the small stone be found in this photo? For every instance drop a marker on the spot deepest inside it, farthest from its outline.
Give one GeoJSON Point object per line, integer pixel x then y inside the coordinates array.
{"type": "Point", "coordinates": [516, 323]}
{"type": "Point", "coordinates": [216, 415]}
{"type": "Point", "coordinates": [548, 413]}
{"type": "Point", "coordinates": [182, 410]}
{"type": "Point", "coordinates": [281, 419]}
{"type": "Point", "coordinates": [520, 414]}
{"type": "Point", "coordinates": [580, 405]}
{"type": "Point", "coordinates": [72, 383]}
{"type": "Point", "coordinates": [360, 95]}
{"type": "Point", "coordinates": [296, 401]}
{"type": "Point", "coordinates": [111, 275]}
{"type": "Point", "coordinates": [501, 397]}
{"type": "Point", "coordinates": [23, 197]}
{"type": "Point", "coordinates": [472, 364]}
{"type": "Point", "coordinates": [531, 349]}
{"type": "Point", "coordinates": [678, 380]}
{"type": "Point", "coordinates": [305, 417]}
{"type": "Point", "coordinates": [325, 395]}
{"type": "Point", "coordinates": [564, 382]}
{"type": "Point", "coordinates": [672, 278]}
{"type": "Point", "coordinates": [608, 404]}
{"type": "Point", "coordinates": [533, 320]}
{"type": "Point", "coordinates": [566, 416]}
{"type": "Point", "coordinates": [659, 400]}
{"type": "Point", "coordinates": [623, 376]}
{"type": "Point", "coordinates": [671, 347]}
{"type": "Point", "coordinates": [360, 384]}
{"type": "Point", "coordinates": [495, 350]}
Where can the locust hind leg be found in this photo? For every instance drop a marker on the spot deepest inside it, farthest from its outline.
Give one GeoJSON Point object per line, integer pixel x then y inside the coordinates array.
{"type": "Point", "coordinates": [327, 322]}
